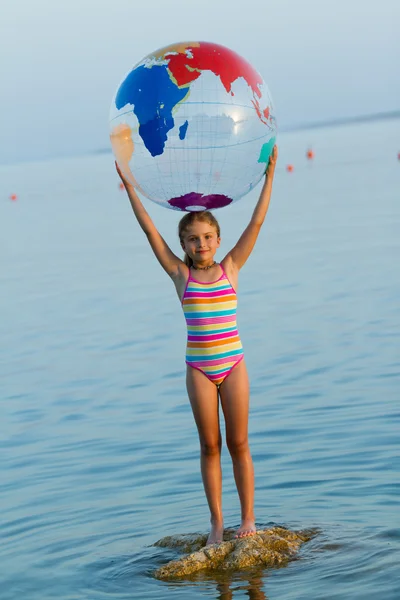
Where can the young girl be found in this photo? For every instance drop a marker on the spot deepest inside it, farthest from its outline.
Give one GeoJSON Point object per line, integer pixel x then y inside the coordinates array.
{"type": "Point", "coordinates": [216, 370]}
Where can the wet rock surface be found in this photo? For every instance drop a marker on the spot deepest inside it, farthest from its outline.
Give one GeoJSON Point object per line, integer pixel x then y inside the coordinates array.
{"type": "Point", "coordinates": [271, 547]}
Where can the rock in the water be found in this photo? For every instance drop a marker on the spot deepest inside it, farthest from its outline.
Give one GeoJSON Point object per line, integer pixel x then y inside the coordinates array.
{"type": "Point", "coordinates": [270, 547]}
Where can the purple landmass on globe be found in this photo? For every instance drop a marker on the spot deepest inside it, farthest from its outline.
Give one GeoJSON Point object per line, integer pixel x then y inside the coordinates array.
{"type": "Point", "coordinates": [206, 202]}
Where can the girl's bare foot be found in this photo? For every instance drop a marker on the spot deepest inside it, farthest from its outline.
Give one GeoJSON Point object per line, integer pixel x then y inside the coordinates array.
{"type": "Point", "coordinates": [246, 529]}
{"type": "Point", "coordinates": [216, 534]}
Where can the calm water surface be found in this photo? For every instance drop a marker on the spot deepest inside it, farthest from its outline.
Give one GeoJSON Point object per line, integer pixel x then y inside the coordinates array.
{"type": "Point", "coordinates": [99, 452]}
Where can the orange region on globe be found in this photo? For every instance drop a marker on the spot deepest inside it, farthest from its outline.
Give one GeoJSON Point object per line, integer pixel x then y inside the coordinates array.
{"type": "Point", "coordinates": [224, 63]}
{"type": "Point", "coordinates": [123, 148]}
{"type": "Point", "coordinates": [180, 48]}
{"type": "Point", "coordinates": [122, 143]}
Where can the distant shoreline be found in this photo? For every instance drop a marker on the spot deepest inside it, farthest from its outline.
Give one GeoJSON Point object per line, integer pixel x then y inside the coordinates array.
{"type": "Point", "coordinates": [394, 114]}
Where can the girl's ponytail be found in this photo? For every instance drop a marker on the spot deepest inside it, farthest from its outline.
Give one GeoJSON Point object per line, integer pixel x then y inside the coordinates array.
{"type": "Point", "coordinates": [187, 260]}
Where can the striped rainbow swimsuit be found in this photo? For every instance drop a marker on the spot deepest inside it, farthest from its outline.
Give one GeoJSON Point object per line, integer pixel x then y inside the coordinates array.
{"type": "Point", "coordinates": [213, 345]}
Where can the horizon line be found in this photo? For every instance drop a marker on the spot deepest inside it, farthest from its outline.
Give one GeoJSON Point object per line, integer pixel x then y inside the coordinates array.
{"type": "Point", "coordinates": [380, 116]}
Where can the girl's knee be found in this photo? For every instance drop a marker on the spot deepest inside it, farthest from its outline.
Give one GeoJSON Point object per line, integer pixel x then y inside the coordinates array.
{"type": "Point", "coordinates": [210, 447]}
{"type": "Point", "coordinates": [238, 446]}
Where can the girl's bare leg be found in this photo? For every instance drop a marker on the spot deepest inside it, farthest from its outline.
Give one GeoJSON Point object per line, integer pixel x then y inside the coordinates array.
{"type": "Point", "coordinates": [203, 395]}
{"type": "Point", "coordinates": [234, 394]}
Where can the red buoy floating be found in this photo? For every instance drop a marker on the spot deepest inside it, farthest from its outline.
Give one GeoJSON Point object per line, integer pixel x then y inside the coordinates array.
{"type": "Point", "coordinates": [310, 154]}
{"type": "Point", "coordinates": [13, 197]}
{"type": "Point", "coordinates": [121, 186]}
{"type": "Point", "coordinates": [289, 168]}
{"type": "Point", "coordinates": [398, 156]}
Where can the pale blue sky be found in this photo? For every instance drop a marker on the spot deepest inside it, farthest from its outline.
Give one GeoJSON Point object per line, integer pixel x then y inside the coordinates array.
{"type": "Point", "coordinates": [60, 62]}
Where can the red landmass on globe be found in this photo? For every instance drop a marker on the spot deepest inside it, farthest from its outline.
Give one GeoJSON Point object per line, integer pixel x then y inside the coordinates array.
{"type": "Point", "coordinates": [224, 63]}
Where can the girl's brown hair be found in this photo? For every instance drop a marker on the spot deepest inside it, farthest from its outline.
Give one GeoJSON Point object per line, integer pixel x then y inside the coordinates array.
{"type": "Point", "coordinates": [203, 216]}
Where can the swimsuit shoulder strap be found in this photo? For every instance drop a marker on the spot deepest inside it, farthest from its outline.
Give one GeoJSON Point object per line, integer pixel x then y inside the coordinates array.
{"type": "Point", "coordinates": [224, 275]}
{"type": "Point", "coordinates": [223, 271]}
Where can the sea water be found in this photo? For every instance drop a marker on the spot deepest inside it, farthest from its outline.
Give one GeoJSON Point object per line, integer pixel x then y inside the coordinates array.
{"type": "Point", "coordinates": [99, 451]}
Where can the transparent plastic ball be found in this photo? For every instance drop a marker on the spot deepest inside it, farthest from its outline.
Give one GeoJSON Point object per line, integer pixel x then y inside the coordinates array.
{"type": "Point", "coordinates": [192, 126]}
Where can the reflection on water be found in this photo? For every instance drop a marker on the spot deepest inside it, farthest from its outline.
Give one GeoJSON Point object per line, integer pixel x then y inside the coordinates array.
{"type": "Point", "coordinates": [99, 452]}
{"type": "Point", "coordinates": [250, 585]}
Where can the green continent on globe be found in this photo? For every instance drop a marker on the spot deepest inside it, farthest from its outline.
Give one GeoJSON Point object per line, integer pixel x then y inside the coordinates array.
{"type": "Point", "coordinates": [266, 150]}
{"type": "Point", "coordinates": [155, 88]}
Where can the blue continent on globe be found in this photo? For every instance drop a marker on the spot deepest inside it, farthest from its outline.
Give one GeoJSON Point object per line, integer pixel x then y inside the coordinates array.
{"type": "Point", "coordinates": [153, 110]}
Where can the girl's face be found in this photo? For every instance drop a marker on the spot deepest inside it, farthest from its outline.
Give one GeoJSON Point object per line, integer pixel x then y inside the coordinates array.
{"type": "Point", "coordinates": [200, 241]}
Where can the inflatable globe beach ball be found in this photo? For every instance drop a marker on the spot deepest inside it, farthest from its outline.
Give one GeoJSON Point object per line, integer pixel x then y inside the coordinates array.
{"type": "Point", "coordinates": [192, 126]}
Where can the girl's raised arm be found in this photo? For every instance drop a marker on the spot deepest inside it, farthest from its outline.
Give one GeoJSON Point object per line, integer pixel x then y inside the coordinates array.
{"type": "Point", "coordinates": [236, 258]}
{"type": "Point", "coordinates": [171, 263]}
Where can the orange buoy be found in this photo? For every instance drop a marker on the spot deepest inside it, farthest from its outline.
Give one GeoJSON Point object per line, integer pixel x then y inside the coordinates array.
{"type": "Point", "coordinates": [121, 186]}
{"type": "Point", "coordinates": [13, 197]}
{"type": "Point", "coordinates": [289, 168]}
{"type": "Point", "coordinates": [310, 154]}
